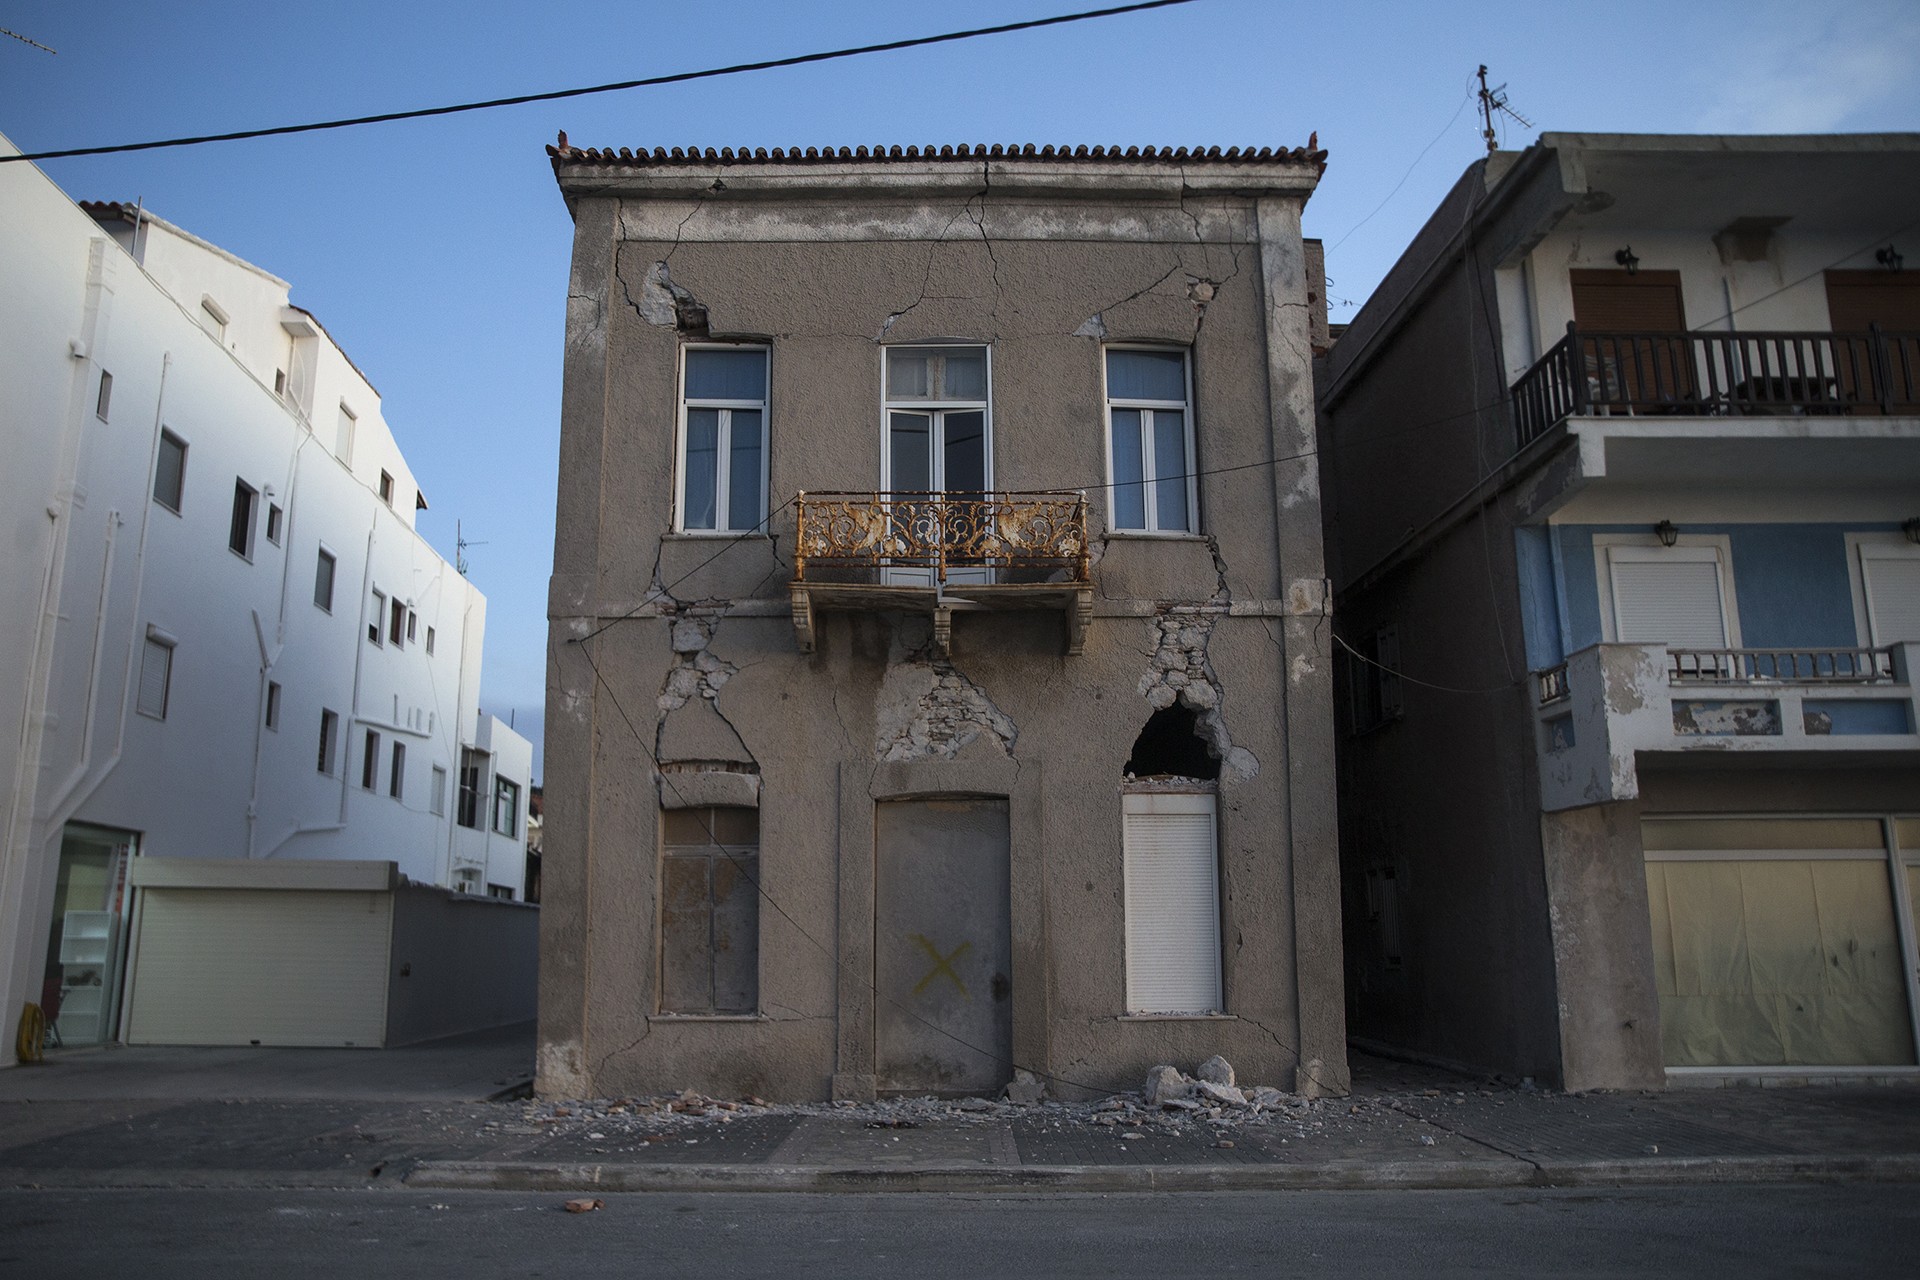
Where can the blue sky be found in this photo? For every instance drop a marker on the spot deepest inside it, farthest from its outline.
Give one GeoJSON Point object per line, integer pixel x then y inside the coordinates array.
{"type": "Point", "coordinates": [436, 251]}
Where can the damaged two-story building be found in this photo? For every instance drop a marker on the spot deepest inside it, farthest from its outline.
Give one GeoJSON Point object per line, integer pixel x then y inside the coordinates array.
{"type": "Point", "coordinates": [939, 680]}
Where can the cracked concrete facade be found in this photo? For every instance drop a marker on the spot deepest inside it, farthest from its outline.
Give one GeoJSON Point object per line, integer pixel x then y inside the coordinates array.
{"type": "Point", "coordinates": [677, 679]}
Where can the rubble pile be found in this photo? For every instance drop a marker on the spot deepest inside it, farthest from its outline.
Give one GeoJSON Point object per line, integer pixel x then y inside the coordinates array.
{"type": "Point", "coordinates": [1171, 1101]}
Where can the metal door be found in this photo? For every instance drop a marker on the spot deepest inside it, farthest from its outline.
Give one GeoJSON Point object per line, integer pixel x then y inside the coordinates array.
{"type": "Point", "coordinates": [943, 955]}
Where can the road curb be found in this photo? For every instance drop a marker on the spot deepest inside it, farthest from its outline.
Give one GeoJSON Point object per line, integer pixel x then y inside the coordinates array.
{"type": "Point", "coordinates": [470, 1175]}
{"type": "Point", "coordinates": [453, 1175]}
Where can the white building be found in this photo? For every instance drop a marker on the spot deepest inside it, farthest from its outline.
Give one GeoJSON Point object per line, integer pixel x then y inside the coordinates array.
{"type": "Point", "coordinates": [221, 638]}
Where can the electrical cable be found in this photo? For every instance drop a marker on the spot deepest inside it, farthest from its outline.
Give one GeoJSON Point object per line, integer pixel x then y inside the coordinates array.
{"type": "Point", "coordinates": [1465, 99]}
{"type": "Point", "coordinates": [681, 77]}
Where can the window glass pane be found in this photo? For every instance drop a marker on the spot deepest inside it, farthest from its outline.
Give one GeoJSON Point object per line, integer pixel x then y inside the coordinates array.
{"type": "Point", "coordinates": [1147, 375]}
{"type": "Point", "coordinates": [1703, 834]}
{"type": "Point", "coordinates": [909, 372]}
{"type": "Point", "coordinates": [1129, 499]}
{"type": "Point", "coordinates": [727, 375]}
{"type": "Point", "coordinates": [966, 452]}
{"type": "Point", "coordinates": [323, 582]}
{"type": "Point", "coordinates": [703, 451]}
{"type": "Point", "coordinates": [1170, 469]}
{"type": "Point", "coordinates": [687, 827]}
{"type": "Point", "coordinates": [743, 475]}
{"type": "Point", "coordinates": [966, 376]}
{"type": "Point", "coordinates": [169, 472]}
{"type": "Point", "coordinates": [912, 461]}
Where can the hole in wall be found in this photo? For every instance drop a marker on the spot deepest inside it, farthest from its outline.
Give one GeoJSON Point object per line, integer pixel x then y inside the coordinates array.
{"type": "Point", "coordinates": [1171, 746]}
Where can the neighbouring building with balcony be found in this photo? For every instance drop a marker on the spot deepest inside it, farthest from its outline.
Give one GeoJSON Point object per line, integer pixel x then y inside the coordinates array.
{"type": "Point", "coordinates": [1623, 470]}
{"type": "Point", "coordinates": [940, 679]}
{"type": "Point", "coordinates": [249, 793]}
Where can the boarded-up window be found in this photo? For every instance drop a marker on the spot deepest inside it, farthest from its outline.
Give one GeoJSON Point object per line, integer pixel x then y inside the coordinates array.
{"type": "Point", "coordinates": [1173, 903]}
{"type": "Point", "coordinates": [1669, 595]}
{"type": "Point", "coordinates": [710, 911]}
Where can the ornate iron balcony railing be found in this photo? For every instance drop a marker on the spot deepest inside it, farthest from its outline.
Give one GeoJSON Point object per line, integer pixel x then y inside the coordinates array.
{"type": "Point", "coordinates": [1041, 535]}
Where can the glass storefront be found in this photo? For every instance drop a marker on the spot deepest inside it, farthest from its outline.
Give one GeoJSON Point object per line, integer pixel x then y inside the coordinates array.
{"type": "Point", "coordinates": [86, 945]}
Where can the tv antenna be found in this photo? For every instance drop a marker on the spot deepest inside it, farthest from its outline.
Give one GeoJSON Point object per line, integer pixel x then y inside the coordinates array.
{"type": "Point", "coordinates": [27, 40]}
{"type": "Point", "coordinates": [460, 545]}
{"type": "Point", "coordinates": [1492, 100]}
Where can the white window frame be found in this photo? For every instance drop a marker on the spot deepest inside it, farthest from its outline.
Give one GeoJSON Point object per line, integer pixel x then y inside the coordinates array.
{"type": "Point", "coordinates": [344, 431]}
{"type": "Point", "coordinates": [169, 437]}
{"type": "Point", "coordinates": [1149, 480]}
{"type": "Point", "coordinates": [437, 798]}
{"type": "Point", "coordinates": [1695, 547]}
{"type": "Point", "coordinates": [1878, 546]}
{"type": "Point", "coordinates": [723, 443]}
{"type": "Point", "coordinates": [1171, 803]}
{"type": "Point", "coordinates": [159, 648]}
{"type": "Point", "coordinates": [324, 556]}
{"type": "Point", "coordinates": [935, 408]}
{"type": "Point", "coordinates": [252, 497]}
{"type": "Point", "coordinates": [377, 630]}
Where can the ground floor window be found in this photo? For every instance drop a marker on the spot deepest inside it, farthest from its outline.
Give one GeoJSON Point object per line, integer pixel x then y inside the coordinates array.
{"type": "Point", "coordinates": [1172, 870]}
{"type": "Point", "coordinates": [1784, 941]}
{"type": "Point", "coordinates": [710, 911]}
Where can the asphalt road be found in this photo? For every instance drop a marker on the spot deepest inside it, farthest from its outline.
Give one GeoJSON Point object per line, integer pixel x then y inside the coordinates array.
{"type": "Point", "coordinates": [1853, 1230]}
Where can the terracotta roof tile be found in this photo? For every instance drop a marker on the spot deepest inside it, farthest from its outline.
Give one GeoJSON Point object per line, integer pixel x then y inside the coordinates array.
{"type": "Point", "coordinates": [667, 157]}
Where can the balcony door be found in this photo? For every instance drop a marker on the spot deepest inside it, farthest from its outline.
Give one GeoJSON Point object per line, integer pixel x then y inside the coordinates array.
{"type": "Point", "coordinates": [1632, 339]}
{"type": "Point", "coordinates": [938, 463]}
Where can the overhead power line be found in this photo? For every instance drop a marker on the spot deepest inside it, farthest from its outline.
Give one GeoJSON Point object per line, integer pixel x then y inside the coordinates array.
{"type": "Point", "coordinates": [680, 77]}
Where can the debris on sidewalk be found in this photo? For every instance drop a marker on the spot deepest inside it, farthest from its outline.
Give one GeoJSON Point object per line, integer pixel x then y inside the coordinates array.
{"type": "Point", "coordinates": [582, 1206]}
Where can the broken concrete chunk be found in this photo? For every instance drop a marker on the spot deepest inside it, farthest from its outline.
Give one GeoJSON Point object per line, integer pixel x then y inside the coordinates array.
{"type": "Point", "coordinates": [1216, 1069]}
{"type": "Point", "coordinates": [1223, 1093]}
{"type": "Point", "coordinates": [585, 1206]}
{"type": "Point", "coordinates": [1265, 1095]}
{"type": "Point", "coordinates": [1165, 1083]}
{"type": "Point", "coordinates": [688, 636]}
{"type": "Point", "coordinates": [1026, 1088]}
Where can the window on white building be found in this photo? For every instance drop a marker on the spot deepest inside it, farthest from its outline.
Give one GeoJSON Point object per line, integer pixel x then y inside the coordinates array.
{"type": "Point", "coordinates": [397, 623]}
{"type": "Point", "coordinates": [438, 797]}
{"type": "Point", "coordinates": [397, 777]}
{"type": "Point", "coordinates": [379, 615]}
{"type": "Point", "coordinates": [386, 488]}
{"type": "Point", "coordinates": [429, 640]}
{"type": "Point", "coordinates": [273, 705]}
{"type": "Point", "coordinates": [473, 777]}
{"type": "Point", "coordinates": [329, 739]}
{"type": "Point", "coordinates": [276, 518]}
{"type": "Point", "coordinates": [213, 317]}
{"type": "Point", "coordinates": [170, 472]}
{"type": "Point", "coordinates": [1150, 441]}
{"type": "Point", "coordinates": [1172, 870]}
{"type": "Point", "coordinates": [370, 761]}
{"type": "Point", "coordinates": [506, 807]}
{"type": "Point", "coordinates": [156, 675]}
{"type": "Point", "coordinates": [723, 455]}
{"type": "Point", "coordinates": [323, 580]}
{"type": "Point", "coordinates": [246, 507]}
{"type": "Point", "coordinates": [343, 435]}
{"type": "Point", "coordinates": [105, 396]}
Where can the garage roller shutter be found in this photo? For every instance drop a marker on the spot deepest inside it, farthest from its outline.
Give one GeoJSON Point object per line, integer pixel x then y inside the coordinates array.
{"type": "Point", "coordinates": [260, 966]}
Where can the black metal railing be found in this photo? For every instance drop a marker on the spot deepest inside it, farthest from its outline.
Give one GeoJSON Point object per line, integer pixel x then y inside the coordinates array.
{"type": "Point", "coordinates": [1701, 373]}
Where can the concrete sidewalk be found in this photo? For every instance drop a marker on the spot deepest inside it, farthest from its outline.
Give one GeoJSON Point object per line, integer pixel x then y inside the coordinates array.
{"type": "Point", "coordinates": [266, 1121]}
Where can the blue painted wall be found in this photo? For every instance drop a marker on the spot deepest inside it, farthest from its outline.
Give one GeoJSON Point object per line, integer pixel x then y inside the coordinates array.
{"type": "Point", "coordinates": [1791, 581]}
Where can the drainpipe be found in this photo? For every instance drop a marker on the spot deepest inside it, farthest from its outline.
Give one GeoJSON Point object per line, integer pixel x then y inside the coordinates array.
{"type": "Point", "coordinates": [270, 653]}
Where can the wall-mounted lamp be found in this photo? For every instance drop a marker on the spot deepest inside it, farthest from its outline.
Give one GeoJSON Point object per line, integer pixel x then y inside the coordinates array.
{"type": "Point", "coordinates": [1626, 259]}
{"type": "Point", "coordinates": [1889, 258]}
{"type": "Point", "coordinates": [1911, 527]}
{"type": "Point", "coordinates": [1667, 534]}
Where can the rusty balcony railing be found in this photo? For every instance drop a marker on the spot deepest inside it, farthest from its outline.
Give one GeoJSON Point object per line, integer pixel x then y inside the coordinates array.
{"type": "Point", "coordinates": [1789, 666]}
{"type": "Point", "coordinates": [1701, 373]}
{"type": "Point", "coordinates": [1037, 537]}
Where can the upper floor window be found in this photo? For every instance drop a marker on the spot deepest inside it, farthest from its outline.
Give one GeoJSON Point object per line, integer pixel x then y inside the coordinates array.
{"type": "Point", "coordinates": [723, 426]}
{"type": "Point", "coordinates": [323, 569]}
{"type": "Point", "coordinates": [170, 471]}
{"type": "Point", "coordinates": [156, 674]}
{"type": "Point", "coordinates": [104, 400]}
{"type": "Point", "coordinates": [246, 506]}
{"type": "Point", "coordinates": [386, 488]}
{"type": "Point", "coordinates": [343, 435]}
{"type": "Point", "coordinates": [214, 317]}
{"type": "Point", "coordinates": [506, 807]}
{"type": "Point", "coordinates": [1150, 441]}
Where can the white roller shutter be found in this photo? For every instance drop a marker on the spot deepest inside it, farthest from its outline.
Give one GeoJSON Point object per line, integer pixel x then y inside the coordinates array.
{"type": "Point", "coordinates": [1891, 577]}
{"type": "Point", "coordinates": [261, 966]}
{"type": "Point", "coordinates": [1669, 595]}
{"type": "Point", "coordinates": [1173, 904]}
